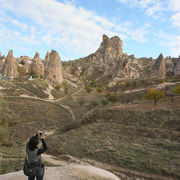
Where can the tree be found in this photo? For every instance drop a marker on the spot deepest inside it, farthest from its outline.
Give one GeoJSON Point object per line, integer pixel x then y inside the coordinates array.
{"type": "Point", "coordinates": [154, 94]}
{"type": "Point", "coordinates": [177, 90]}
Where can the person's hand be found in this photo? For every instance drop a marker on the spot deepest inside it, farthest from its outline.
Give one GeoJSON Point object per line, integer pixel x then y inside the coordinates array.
{"type": "Point", "coordinates": [42, 136]}
{"type": "Point", "coordinates": [39, 133]}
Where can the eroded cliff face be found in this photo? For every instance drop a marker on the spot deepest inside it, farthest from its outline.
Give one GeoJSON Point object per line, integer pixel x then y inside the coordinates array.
{"type": "Point", "coordinates": [110, 61]}
{"type": "Point", "coordinates": [54, 68]}
{"type": "Point", "coordinates": [10, 65]}
{"type": "Point", "coordinates": [107, 62]}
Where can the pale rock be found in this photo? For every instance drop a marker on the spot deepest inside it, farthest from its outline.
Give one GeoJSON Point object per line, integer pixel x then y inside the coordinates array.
{"type": "Point", "coordinates": [37, 66]}
{"type": "Point", "coordinates": [46, 61]}
{"type": "Point", "coordinates": [54, 68]}
{"type": "Point", "coordinates": [159, 68]}
{"type": "Point", "coordinates": [10, 66]}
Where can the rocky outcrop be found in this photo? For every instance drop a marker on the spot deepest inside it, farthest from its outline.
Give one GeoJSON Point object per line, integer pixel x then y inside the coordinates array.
{"type": "Point", "coordinates": [46, 61]}
{"type": "Point", "coordinates": [37, 66]}
{"type": "Point", "coordinates": [159, 67]}
{"type": "Point", "coordinates": [110, 49]}
{"type": "Point", "coordinates": [176, 62]}
{"type": "Point", "coordinates": [10, 66]}
{"type": "Point", "coordinates": [108, 61]}
{"type": "Point", "coordinates": [54, 68]}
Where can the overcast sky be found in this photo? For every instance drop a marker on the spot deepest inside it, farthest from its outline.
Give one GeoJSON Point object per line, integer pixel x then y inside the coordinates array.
{"type": "Point", "coordinates": [75, 27]}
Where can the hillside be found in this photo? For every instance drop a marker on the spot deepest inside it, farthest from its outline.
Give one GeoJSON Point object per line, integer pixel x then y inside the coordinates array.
{"type": "Point", "coordinates": [109, 109]}
{"type": "Point", "coordinates": [129, 137]}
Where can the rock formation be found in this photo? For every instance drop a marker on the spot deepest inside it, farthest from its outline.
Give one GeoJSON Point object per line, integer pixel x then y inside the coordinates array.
{"type": "Point", "coordinates": [54, 68]}
{"type": "Point", "coordinates": [0, 54]}
{"type": "Point", "coordinates": [110, 49]}
{"type": "Point", "coordinates": [108, 61]}
{"type": "Point", "coordinates": [159, 68]}
{"type": "Point", "coordinates": [37, 66]}
{"type": "Point", "coordinates": [46, 61]}
{"type": "Point", "coordinates": [10, 66]}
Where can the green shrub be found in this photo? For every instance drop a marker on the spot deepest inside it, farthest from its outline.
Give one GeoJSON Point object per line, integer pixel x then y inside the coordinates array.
{"type": "Point", "coordinates": [177, 90]}
{"type": "Point", "coordinates": [105, 102]}
{"type": "Point", "coordinates": [112, 98]}
{"type": "Point", "coordinates": [57, 87]}
{"type": "Point", "coordinates": [99, 89]}
{"type": "Point", "coordinates": [88, 89]}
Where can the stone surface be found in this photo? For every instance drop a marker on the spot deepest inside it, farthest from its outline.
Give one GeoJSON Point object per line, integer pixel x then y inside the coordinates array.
{"type": "Point", "coordinates": [109, 61]}
{"type": "Point", "coordinates": [70, 172]}
{"type": "Point", "coordinates": [159, 68]}
{"type": "Point", "coordinates": [46, 61]}
{"type": "Point", "coordinates": [54, 68]}
{"type": "Point", "coordinates": [37, 66]}
{"type": "Point", "coordinates": [10, 66]}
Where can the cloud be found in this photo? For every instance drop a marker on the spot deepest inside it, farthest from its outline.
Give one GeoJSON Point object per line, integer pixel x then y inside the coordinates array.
{"type": "Point", "coordinates": [175, 19]}
{"type": "Point", "coordinates": [139, 33]}
{"type": "Point", "coordinates": [172, 42]}
{"type": "Point", "coordinates": [153, 7]}
{"type": "Point", "coordinates": [174, 5]}
{"type": "Point", "coordinates": [57, 23]}
{"type": "Point", "coordinates": [155, 10]}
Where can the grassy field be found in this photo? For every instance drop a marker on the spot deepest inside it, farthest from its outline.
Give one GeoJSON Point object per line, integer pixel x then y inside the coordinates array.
{"type": "Point", "coordinates": [146, 141]}
{"type": "Point", "coordinates": [129, 133]}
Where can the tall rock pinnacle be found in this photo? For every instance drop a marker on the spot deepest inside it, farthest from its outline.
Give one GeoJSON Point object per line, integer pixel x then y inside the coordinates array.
{"type": "Point", "coordinates": [46, 61]}
{"type": "Point", "coordinates": [37, 66]}
{"type": "Point", "coordinates": [10, 66]}
{"type": "Point", "coordinates": [159, 68]}
{"type": "Point", "coordinates": [54, 68]}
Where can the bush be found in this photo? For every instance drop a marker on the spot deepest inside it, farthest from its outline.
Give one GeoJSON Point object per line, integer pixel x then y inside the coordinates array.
{"type": "Point", "coordinates": [99, 89]}
{"type": "Point", "coordinates": [105, 102]}
{"type": "Point", "coordinates": [177, 90]}
{"type": "Point", "coordinates": [112, 98]}
{"type": "Point", "coordinates": [57, 87]}
{"type": "Point", "coordinates": [88, 89]}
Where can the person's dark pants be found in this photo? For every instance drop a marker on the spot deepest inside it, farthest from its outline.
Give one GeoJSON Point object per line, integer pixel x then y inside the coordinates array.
{"type": "Point", "coordinates": [40, 177]}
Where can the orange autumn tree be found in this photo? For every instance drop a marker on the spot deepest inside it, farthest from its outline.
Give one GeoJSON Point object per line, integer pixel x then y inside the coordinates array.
{"type": "Point", "coordinates": [154, 94]}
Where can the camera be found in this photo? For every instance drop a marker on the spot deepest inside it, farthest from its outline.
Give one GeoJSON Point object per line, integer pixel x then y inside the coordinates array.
{"type": "Point", "coordinates": [40, 133]}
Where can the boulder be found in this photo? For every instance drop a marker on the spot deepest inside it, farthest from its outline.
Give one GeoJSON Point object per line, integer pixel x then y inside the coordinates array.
{"type": "Point", "coordinates": [10, 66]}
{"type": "Point", "coordinates": [54, 68]}
{"type": "Point", "coordinates": [69, 172]}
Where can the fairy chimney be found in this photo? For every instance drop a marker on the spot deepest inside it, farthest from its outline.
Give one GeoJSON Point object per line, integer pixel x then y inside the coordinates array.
{"type": "Point", "coordinates": [37, 66]}
{"type": "Point", "coordinates": [54, 68]}
{"type": "Point", "coordinates": [10, 66]}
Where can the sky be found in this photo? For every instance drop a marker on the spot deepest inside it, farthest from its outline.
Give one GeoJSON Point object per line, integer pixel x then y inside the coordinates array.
{"type": "Point", "coordinates": [75, 27]}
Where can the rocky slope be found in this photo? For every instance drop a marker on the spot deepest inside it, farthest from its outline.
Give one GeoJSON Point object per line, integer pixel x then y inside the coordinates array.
{"type": "Point", "coordinates": [107, 63]}
{"type": "Point", "coordinates": [110, 61]}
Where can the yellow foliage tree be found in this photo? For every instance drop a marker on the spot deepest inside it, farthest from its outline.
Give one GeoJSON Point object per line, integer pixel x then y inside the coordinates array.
{"type": "Point", "coordinates": [154, 94]}
{"type": "Point", "coordinates": [177, 90]}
